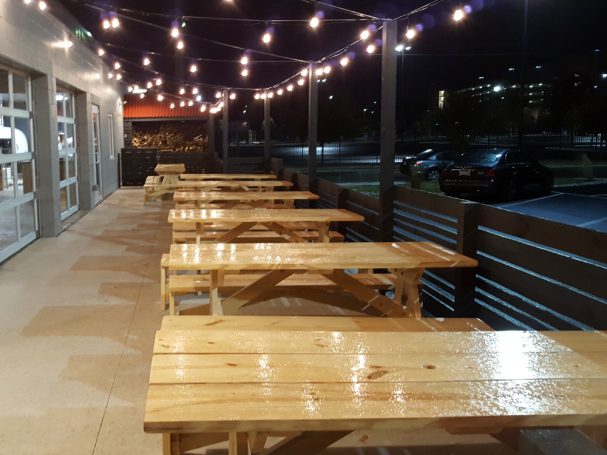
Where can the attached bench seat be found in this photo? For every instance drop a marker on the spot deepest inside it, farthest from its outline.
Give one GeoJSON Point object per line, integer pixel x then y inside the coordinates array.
{"type": "Point", "coordinates": [151, 186]}
{"type": "Point", "coordinates": [193, 284]}
{"type": "Point", "coordinates": [252, 236]}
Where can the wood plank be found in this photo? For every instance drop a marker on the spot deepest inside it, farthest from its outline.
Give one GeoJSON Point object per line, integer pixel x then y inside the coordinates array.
{"type": "Point", "coordinates": [219, 196]}
{"type": "Point", "coordinates": [228, 176]}
{"type": "Point", "coordinates": [307, 443]}
{"type": "Point", "coordinates": [319, 342]}
{"type": "Point", "coordinates": [319, 323]}
{"type": "Point", "coordinates": [374, 368]}
{"type": "Point", "coordinates": [340, 407]}
{"type": "Point", "coordinates": [315, 256]}
{"type": "Point", "coordinates": [262, 216]}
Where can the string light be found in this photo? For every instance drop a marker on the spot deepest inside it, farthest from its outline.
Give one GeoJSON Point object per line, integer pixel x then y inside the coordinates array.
{"type": "Point", "coordinates": [203, 108]}
{"type": "Point", "coordinates": [199, 98]}
{"type": "Point", "coordinates": [257, 96]}
{"type": "Point", "coordinates": [117, 65]}
{"type": "Point", "coordinates": [110, 75]}
{"type": "Point", "coordinates": [190, 103]}
{"type": "Point", "coordinates": [146, 61]}
{"type": "Point", "coordinates": [232, 96]}
{"type": "Point", "coordinates": [115, 22]}
{"type": "Point", "coordinates": [399, 47]}
{"type": "Point", "coordinates": [371, 48]}
{"type": "Point", "coordinates": [290, 88]}
{"type": "Point", "coordinates": [158, 81]}
{"type": "Point", "coordinates": [301, 82]}
{"type": "Point", "coordinates": [327, 69]}
{"type": "Point", "coordinates": [365, 34]}
{"type": "Point", "coordinates": [344, 61]}
{"type": "Point", "coordinates": [267, 38]}
{"type": "Point", "coordinates": [182, 104]}
{"type": "Point", "coordinates": [195, 91]}
{"type": "Point", "coordinates": [304, 73]}
{"type": "Point", "coordinates": [270, 95]}
{"type": "Point", "coordinates": [100, 52]}
{"type": "Point", "coordinates": [279, 92]}
{"type": "Point", "coordinates": [160, 98]}
{"type": "Point", "coordinates": [193, 68]}
{"type": "Point", "coordinates": [172, 106]}
{"type": "Point", "coordinates": [119, 76]}
{"type": "Point", "coordinates": [263, 96]}
{"type": "Point", "coordinates": [315, 22]}
{"type": "Point", "coordinates": [130, 89]}
{"type": "Point", "coordinates": [217, 95]}
{"type": "Point", "coordinates": [459, 15]}
{"type": "Point", "coordinates": [245, 72]}
{"type": "Point", "coordinates": [142, 96]}
{"type": "Point", "coordinates": [411, 33]}
{"type": "Point", "coordinates": [150, 85]}
{"type": "Point", "coordinates": [180, 45]}
{"type": "Point", "coordinates": [42, 5]}
{"type": "Point", "coordinates": [27, 2]}
{"type": "Point", "coordinates": [214, 110]}
{"type": "Point", "coordinates": [244, 60]}
{"type": "Point", "coordinates": [319, 72]}
{"type": "Point", "coordinates": [175, 32]}
{"type": "Point", "coordinates": [106, 24]}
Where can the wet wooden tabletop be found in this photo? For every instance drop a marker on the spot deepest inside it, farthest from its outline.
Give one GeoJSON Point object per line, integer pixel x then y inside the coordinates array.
{"type": "Point", "coordinates": [245, 196]}
{"type": "Point", "coordinates": [205, 378]}
{"type": "Point", "coordinates": [231, 184]}
{"type": "Point", "coordinates": [315, 256]}
{"type": "Point", "coordinates": [228, 176]}
{"type": "Point", "coordinates": [262, 216]}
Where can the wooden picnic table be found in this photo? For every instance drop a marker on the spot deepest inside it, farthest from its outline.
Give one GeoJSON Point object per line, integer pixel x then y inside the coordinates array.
{"type": "Point", "coordinates": [168, 175]}
{"type": "Point", "coordinates": [248, 199]}
{"type": "Point", "coordinates": [233, 185]}
{"type": "Point", "coordinates": [406, 262]}
{"type": "Point", "coordinates": [228, 176]}
{"type": "Point", "coordinates": [314, 383]}
{"type": "Point", "coordinates": [286, 223]}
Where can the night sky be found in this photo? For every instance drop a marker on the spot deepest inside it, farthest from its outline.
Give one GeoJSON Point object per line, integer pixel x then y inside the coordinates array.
{"type": "Point", "coordinates": [564, 36]}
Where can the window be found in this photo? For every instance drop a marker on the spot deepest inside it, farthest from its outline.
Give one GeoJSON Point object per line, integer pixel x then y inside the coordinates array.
{"type": "Point", "coordinates": [18, 208]}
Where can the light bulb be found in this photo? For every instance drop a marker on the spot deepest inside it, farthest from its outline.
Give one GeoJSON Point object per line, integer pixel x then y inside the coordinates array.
{"type": "Point", "coordinates": [195, 91]}
{"type": "Point", "coordinates": [244, 60]}
{"type": "Point", "coordinates": [182, 104]}
{"type": "Point", "coordinates": [371, 48]}
{"type": "Point", "coordinates": [160, 97]}
{"type": "Point", "coordinates": [193, 68]}
{"type": "Point", "coordinates": [327, 69]}
{"type": "Point", "coordinates": [344, 61]}
{"type": "Point", "coordinates": [319, 71]}
{"type": "Point", "coordinates": [279, 92]}
{"type": "Point", "coordinates": [115, 22]}
{"type": "Point", "coordinates": [146, 61]}
{"type": "Point", "coordinates": [290, 88]}
{"type": "Point", "coordinates": [459, 15]}
{"type": "Point", "coordinates": [119, 77]}
{"type": "Point", "coordinates": [100, 52]}
{"type": "Point", "coordinates": [301, 82]}
{"type": "Point", "coordinates": [130, 89]}
{"type": "Point", "coordinates": [117, 65]}
{"type": "Point", "coordinates": [158, 81]}
{"type": "Point", "coordinates": [142, 96]}
{"type": "Point", "coordinates": [267, 38]}
{"type": "Point", "coordinates": [180, 45]}
{"type": "Point", "coordinates": [42, 5]}
{"type": "Point", "coordinates": [232, 96]}
{"type": "Point", "coordinates": [110, 75]}
{"type": "Point", "coordinates": [27, 2]}
{"type": "Point", "coordinates": [270, 95]}
{"type": "Point", "coordinates": [411, 33]}
{"type": "Point", "coordinates": [175, 32]}
{"type": "Point", "coordinates": [263, 96]}
{"type": "Point", "coordinates": [199, 98]}
{"type": "Point", "coordinates": [150, 84]}
{"type": "Point", "coordinates": [105, 24]}
{"type": "Point", "coordinates": [203, 108]}
{"type": "Point", "coordinates": [172, 106]}
{"type": "Point", "coordinates": [244, 72]}
{"type": "Point", "coordinates": [365, 34]}
{"type": "Point", "coordinates": [304, 73]}
{"type": "Point", "coordinates": [315, 22]}
{"type": "Point", "coordinates": [257, 96]}
{"type": "Point", "coordinates": [217, 95]}
{"type": "Point", "coordinates": [190, 103]}
{"type": "Point", "coordinates": [182, 91]}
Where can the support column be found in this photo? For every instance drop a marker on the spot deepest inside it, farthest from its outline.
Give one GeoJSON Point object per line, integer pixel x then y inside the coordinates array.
{"type": "Point", "coordinates": [86, 150]}
{"type": "Point", "coordinates": [388, 128]}
{"type": "Point", "coordinates": [312, 126]}
{"type": "Point", "coordinates": [226, 131]}
{"type": "Point", "coordinates": [267, 131]}
{"type": "Point", "coordinates": [211, 138]}
{"type": "Point", "coordinates": [47, 154]}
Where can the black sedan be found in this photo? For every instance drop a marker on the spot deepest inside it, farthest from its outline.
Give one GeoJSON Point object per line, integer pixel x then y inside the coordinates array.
{"type": "Point", "coordinates": [429, 163]}
{"type": "Point", "coordinates": [501, 173]}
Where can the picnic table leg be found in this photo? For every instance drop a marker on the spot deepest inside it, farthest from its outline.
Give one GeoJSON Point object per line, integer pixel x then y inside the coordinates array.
{"type": "Point", "coordinates": [214, 300]}
{"type": "Point", "coordinates": [170, 444]}
{"type": "Point", "coordinates": [257, 441]}
{"type": "Point", "coordinates": [307, 443]}
{"type": "Point", "coordinates": [411, 280]}
{"type": "Point", "coordinates": [239, 444]}
{"type": "Point", "coordinates": [323, 232]}
{"type": "Point", "coordinates": [263, 284]}
{"type": "Point", "coordinates": [291, 236]}
{"type": "Point", "coordinates": [235, 232]}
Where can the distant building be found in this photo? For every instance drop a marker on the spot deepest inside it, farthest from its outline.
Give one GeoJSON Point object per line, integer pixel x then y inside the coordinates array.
{"type": "Point", "coordinates": [538, 94]}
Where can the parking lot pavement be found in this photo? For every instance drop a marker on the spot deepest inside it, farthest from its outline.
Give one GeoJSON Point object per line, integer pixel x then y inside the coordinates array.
{"type": "Point", "coordinates": [584, 211]}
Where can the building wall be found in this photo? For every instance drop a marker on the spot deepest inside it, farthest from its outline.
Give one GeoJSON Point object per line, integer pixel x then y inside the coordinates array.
{"type": "Point", "coordinates": [27, 39]}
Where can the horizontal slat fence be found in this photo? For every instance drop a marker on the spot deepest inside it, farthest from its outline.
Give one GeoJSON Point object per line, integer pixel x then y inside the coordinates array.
{"type": "Point", "coordinates": [533, 274]}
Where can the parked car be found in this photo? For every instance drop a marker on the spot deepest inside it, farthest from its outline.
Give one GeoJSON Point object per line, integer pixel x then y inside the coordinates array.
{"type": "Point", "coordinates": [502, 173]}
{"type": "Point", "coordinates": [429, 163]}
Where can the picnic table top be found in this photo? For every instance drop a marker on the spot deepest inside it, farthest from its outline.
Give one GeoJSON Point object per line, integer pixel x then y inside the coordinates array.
{"type": "Point", "coordinates": [169, 169]}
{"type": "Point", "coordinates": [262, 215]}
{"type": "Point", "coordinates": [228, 176]}
{"type": "Point", "coordinates": [315, 256]}
{"type": "Point", "coordinates": [210, 379]}
{"type": "Point", "coordinates": [201, 196]}
{"type": "Point", "coordinates": [235, 184]}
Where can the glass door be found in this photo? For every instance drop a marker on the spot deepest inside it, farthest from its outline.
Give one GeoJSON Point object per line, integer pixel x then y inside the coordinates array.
{"type": "Point", "coordinates": [68, 156]}
{"type": "Point", "coordinates": [18, 210]}
{"type": "Point", "coordinates": [97, 181]}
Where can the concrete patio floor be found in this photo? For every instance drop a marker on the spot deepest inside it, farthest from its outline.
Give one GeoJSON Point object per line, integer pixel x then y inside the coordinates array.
{"type": "Point", "coordinates": [78, 315]}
